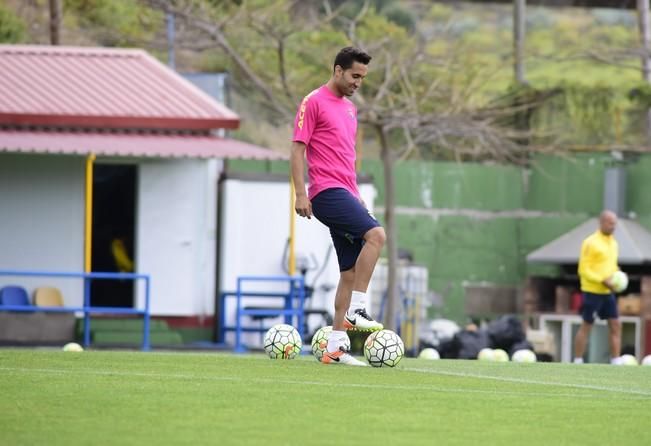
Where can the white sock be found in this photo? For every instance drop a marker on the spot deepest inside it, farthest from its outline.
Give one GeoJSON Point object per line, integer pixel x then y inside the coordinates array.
{"type": "Point", "coordinates": [357, 301]}
{"type": "Point", "coordinates": [336, 339]}
{"type": "Point", "coordinates": [616, 361]}
{"type": "Point", "coordinates": [578, 360]}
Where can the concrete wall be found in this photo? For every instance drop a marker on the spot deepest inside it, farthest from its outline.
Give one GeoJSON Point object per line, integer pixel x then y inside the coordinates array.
{"type": "Point", "coordinates": [42, 220]}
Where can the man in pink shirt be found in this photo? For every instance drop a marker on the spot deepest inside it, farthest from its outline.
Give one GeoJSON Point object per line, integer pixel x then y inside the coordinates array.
{"type": "Point", "coordinates": [324, 131]}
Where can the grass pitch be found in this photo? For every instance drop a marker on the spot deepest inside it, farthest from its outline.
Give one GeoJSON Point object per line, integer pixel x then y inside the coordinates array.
{"type": "Point", "coordinates": [132, 398]}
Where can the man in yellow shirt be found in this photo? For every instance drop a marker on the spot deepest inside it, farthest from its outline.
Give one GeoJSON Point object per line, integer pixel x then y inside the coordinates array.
{"type": "Point", "coordinates": [597, 263]}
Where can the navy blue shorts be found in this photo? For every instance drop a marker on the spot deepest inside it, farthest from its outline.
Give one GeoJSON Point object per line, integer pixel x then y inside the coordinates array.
{"type": "Point", "coordinates": [603, 304]}
{"type": "Point", "coordinates": [348, 221]}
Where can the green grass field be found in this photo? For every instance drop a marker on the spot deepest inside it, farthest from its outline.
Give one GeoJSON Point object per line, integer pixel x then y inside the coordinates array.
{"type": "Point", "coordinates": [130, 398]}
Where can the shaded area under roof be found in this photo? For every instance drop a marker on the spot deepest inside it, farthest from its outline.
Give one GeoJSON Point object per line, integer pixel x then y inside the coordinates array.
{"type": "Point", "coordinates": [101, 88]}
{"type": "Point", "coordinates": [132, 145]}
{"type": "Point", "coordinates": [633, 239]}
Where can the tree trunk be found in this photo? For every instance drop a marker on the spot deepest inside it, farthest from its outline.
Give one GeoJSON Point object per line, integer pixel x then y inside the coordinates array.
{"type": "Point", "coordinates": [388, 161]}
{"type": "Point", "coordinates": [519, 30]}
{"type": "Point", "coordinates": [55, 22]}
{"type": "Point", "coordinates": [645, 41]}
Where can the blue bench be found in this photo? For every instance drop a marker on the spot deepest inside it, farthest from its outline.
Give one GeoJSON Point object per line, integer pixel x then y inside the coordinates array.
{"type": "Point", "coordinates": [292, 308]}
{"type": "Point", "coordinates": [87, 309]}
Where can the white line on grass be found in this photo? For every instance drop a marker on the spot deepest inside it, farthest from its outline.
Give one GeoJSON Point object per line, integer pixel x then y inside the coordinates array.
{"type": "Point", "coordinates": [529, 381]}
{"type": "Point", "coordinates": [317, 384]}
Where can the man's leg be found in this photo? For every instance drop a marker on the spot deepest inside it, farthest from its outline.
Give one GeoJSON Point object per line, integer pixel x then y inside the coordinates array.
{"type": "Point", "coordinates": [581, 340]}
{"type": "Point", "coordinates": [356, 317]}
{"type": "Point", "coordinates": [615, 338]}
{"type": "Point", "coordinates": [334, 353]}
{"type": "Point", "coordinates": [374, 241]}
{"type": "Point", "coordinates": [342, 298]}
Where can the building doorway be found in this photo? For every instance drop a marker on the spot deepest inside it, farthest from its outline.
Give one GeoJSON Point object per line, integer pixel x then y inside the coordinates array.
{"type": "Point", "coordinates": [114, 209]}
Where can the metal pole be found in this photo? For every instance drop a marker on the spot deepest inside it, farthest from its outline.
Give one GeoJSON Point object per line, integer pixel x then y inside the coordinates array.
{"type": "Point", "coordinates": [291, 268]}
{"type": "Point", "coordinates": [88, 223]}
{"type": "Point", "coordinates": [171, 59]}
{"type": "Point", "coordinates": [145, 329]}
{"type": "Point", "coordinates": [519, 31]}
{"type": "Point", "coordinates": [88, 229]}
{"type": "Point", "coordinates": [55, 22]}
{"type": "Point", "coordinates": [645, 41]}
{"type": "Point", "coordinates": [86, 312]}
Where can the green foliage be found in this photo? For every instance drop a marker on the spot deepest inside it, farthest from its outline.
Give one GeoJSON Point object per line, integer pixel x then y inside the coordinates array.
{"type": "Point", "coordinates": [640, 95]}
{"type": "Point", "coordinates": [12, 29]}
{"type": "Point", "coordinates": [116, 22]}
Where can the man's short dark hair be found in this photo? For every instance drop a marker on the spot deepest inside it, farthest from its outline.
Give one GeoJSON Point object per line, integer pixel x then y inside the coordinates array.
{"type": "Point", "coordinates": [347, 56]}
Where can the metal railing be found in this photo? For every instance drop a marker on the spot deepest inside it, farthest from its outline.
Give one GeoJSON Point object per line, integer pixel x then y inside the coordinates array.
{"type": "Point", "coordinates": [87, 309]}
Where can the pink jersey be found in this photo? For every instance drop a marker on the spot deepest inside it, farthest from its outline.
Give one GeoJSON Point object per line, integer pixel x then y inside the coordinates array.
{"type": "Point", "coordinates": [327, 125]}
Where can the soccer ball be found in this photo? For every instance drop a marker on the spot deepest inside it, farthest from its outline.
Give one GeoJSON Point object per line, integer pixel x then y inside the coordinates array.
{"type": "Point", "coordinates": [619, 281]}
{"type": "Point", "coordinates": [646, 360]}
{"type": "Point", "coordinates": [524, 355]}
{"type": "Point", "coordinates": [282, 341]}
{"type": "Point", "coordinates": [486, 354]}
{"type": "Point", "coordinates": [320, 342]}
{"type": "Point", "coordinates": [429, 353]}
{"type": "Point", "coordinates": [500, 355]}
{"type": "Point", "coordinates": [628, 360]}
{"type": "Point", "coordinates": [384, 348]}
{"type": "Point", "coordinates": [72, 347]}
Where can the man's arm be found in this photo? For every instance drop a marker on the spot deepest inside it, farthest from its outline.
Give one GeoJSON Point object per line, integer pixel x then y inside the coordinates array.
{"type": "Point", "coordinates": [302, 206]}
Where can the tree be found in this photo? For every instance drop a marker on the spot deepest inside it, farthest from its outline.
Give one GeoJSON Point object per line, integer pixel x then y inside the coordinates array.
{"type": "Point", "coordinates": [420, 97]}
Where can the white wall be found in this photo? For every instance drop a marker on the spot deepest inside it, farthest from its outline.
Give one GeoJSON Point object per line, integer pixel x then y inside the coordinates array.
{"type": "Point", "coordinates": [175, 241]}
{"type": "Point", "coordinates": [253, 233]}
{"type": "Point", "coordinates": [42, 220]}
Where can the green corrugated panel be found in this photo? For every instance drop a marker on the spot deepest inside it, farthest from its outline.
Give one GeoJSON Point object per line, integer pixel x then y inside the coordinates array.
{"type": "Point", "coordinates": [639, 186]}
{"type": "Point", "coordinates": [236, 165]}
{"type": "Point", "coordinates": [562, 184]}
{"type": "Point", "coordinates": [451, 185]}
{"type": "Point", "coordinates": [280, 167]}
{"type": "Point", "coordinates": [453, 296]}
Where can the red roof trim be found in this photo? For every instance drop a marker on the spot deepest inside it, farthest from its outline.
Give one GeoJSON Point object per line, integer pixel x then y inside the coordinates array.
{"type": "Point", "coordinates": [116, 122]}
{"type": "Point", "coordinates": [131, 145]}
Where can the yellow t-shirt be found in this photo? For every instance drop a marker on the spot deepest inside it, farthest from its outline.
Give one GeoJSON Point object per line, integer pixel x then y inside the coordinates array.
{"type": "Point", "coordinates": [597, 262]}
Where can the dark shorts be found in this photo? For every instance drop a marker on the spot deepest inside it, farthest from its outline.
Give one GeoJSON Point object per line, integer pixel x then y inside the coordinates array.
{"type": "Point", "coordinates": [348, 221]}
{"type": "Point", "coordinates": [603, 304]}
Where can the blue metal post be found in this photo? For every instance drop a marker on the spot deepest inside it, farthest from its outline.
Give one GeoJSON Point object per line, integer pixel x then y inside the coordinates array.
{"type": "Point", "coordinates": [86, 311]}
{"type": "Point", "coordinates": [145, 325]}
{"type": "Point", "coordinates": [239, 348]}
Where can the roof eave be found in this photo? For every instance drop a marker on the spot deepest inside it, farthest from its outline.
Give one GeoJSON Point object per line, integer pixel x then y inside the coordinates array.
{"type": "Point", "coordinates": [118, 122]}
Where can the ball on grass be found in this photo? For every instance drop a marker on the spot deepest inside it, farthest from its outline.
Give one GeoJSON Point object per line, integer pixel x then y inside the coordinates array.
{"type": "Point", "coordinates": [500, 355]}
{"type": "Point", "coordinates": [628, 360]}
{"type": "Point", "coordinates": [646, 360]}
{"type": "Point", "coordinates": [72, 347]}
{"type": "Point", "coordinates": [429, 353]}
{"type": "Point", "coordinates": [524, 355]}
{"type": "Point", "coordinates": [486, 354]}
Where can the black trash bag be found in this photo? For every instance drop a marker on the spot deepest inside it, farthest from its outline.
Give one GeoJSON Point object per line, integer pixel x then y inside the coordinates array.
{"type": "Point", "coordinates": [470, 343]}
{"type": "Point", "coordinates": [522, 345]}
{"type": "Point", "coordinates": [448, 349]}
{"type": "Point", "coordinates": [505, 331]}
